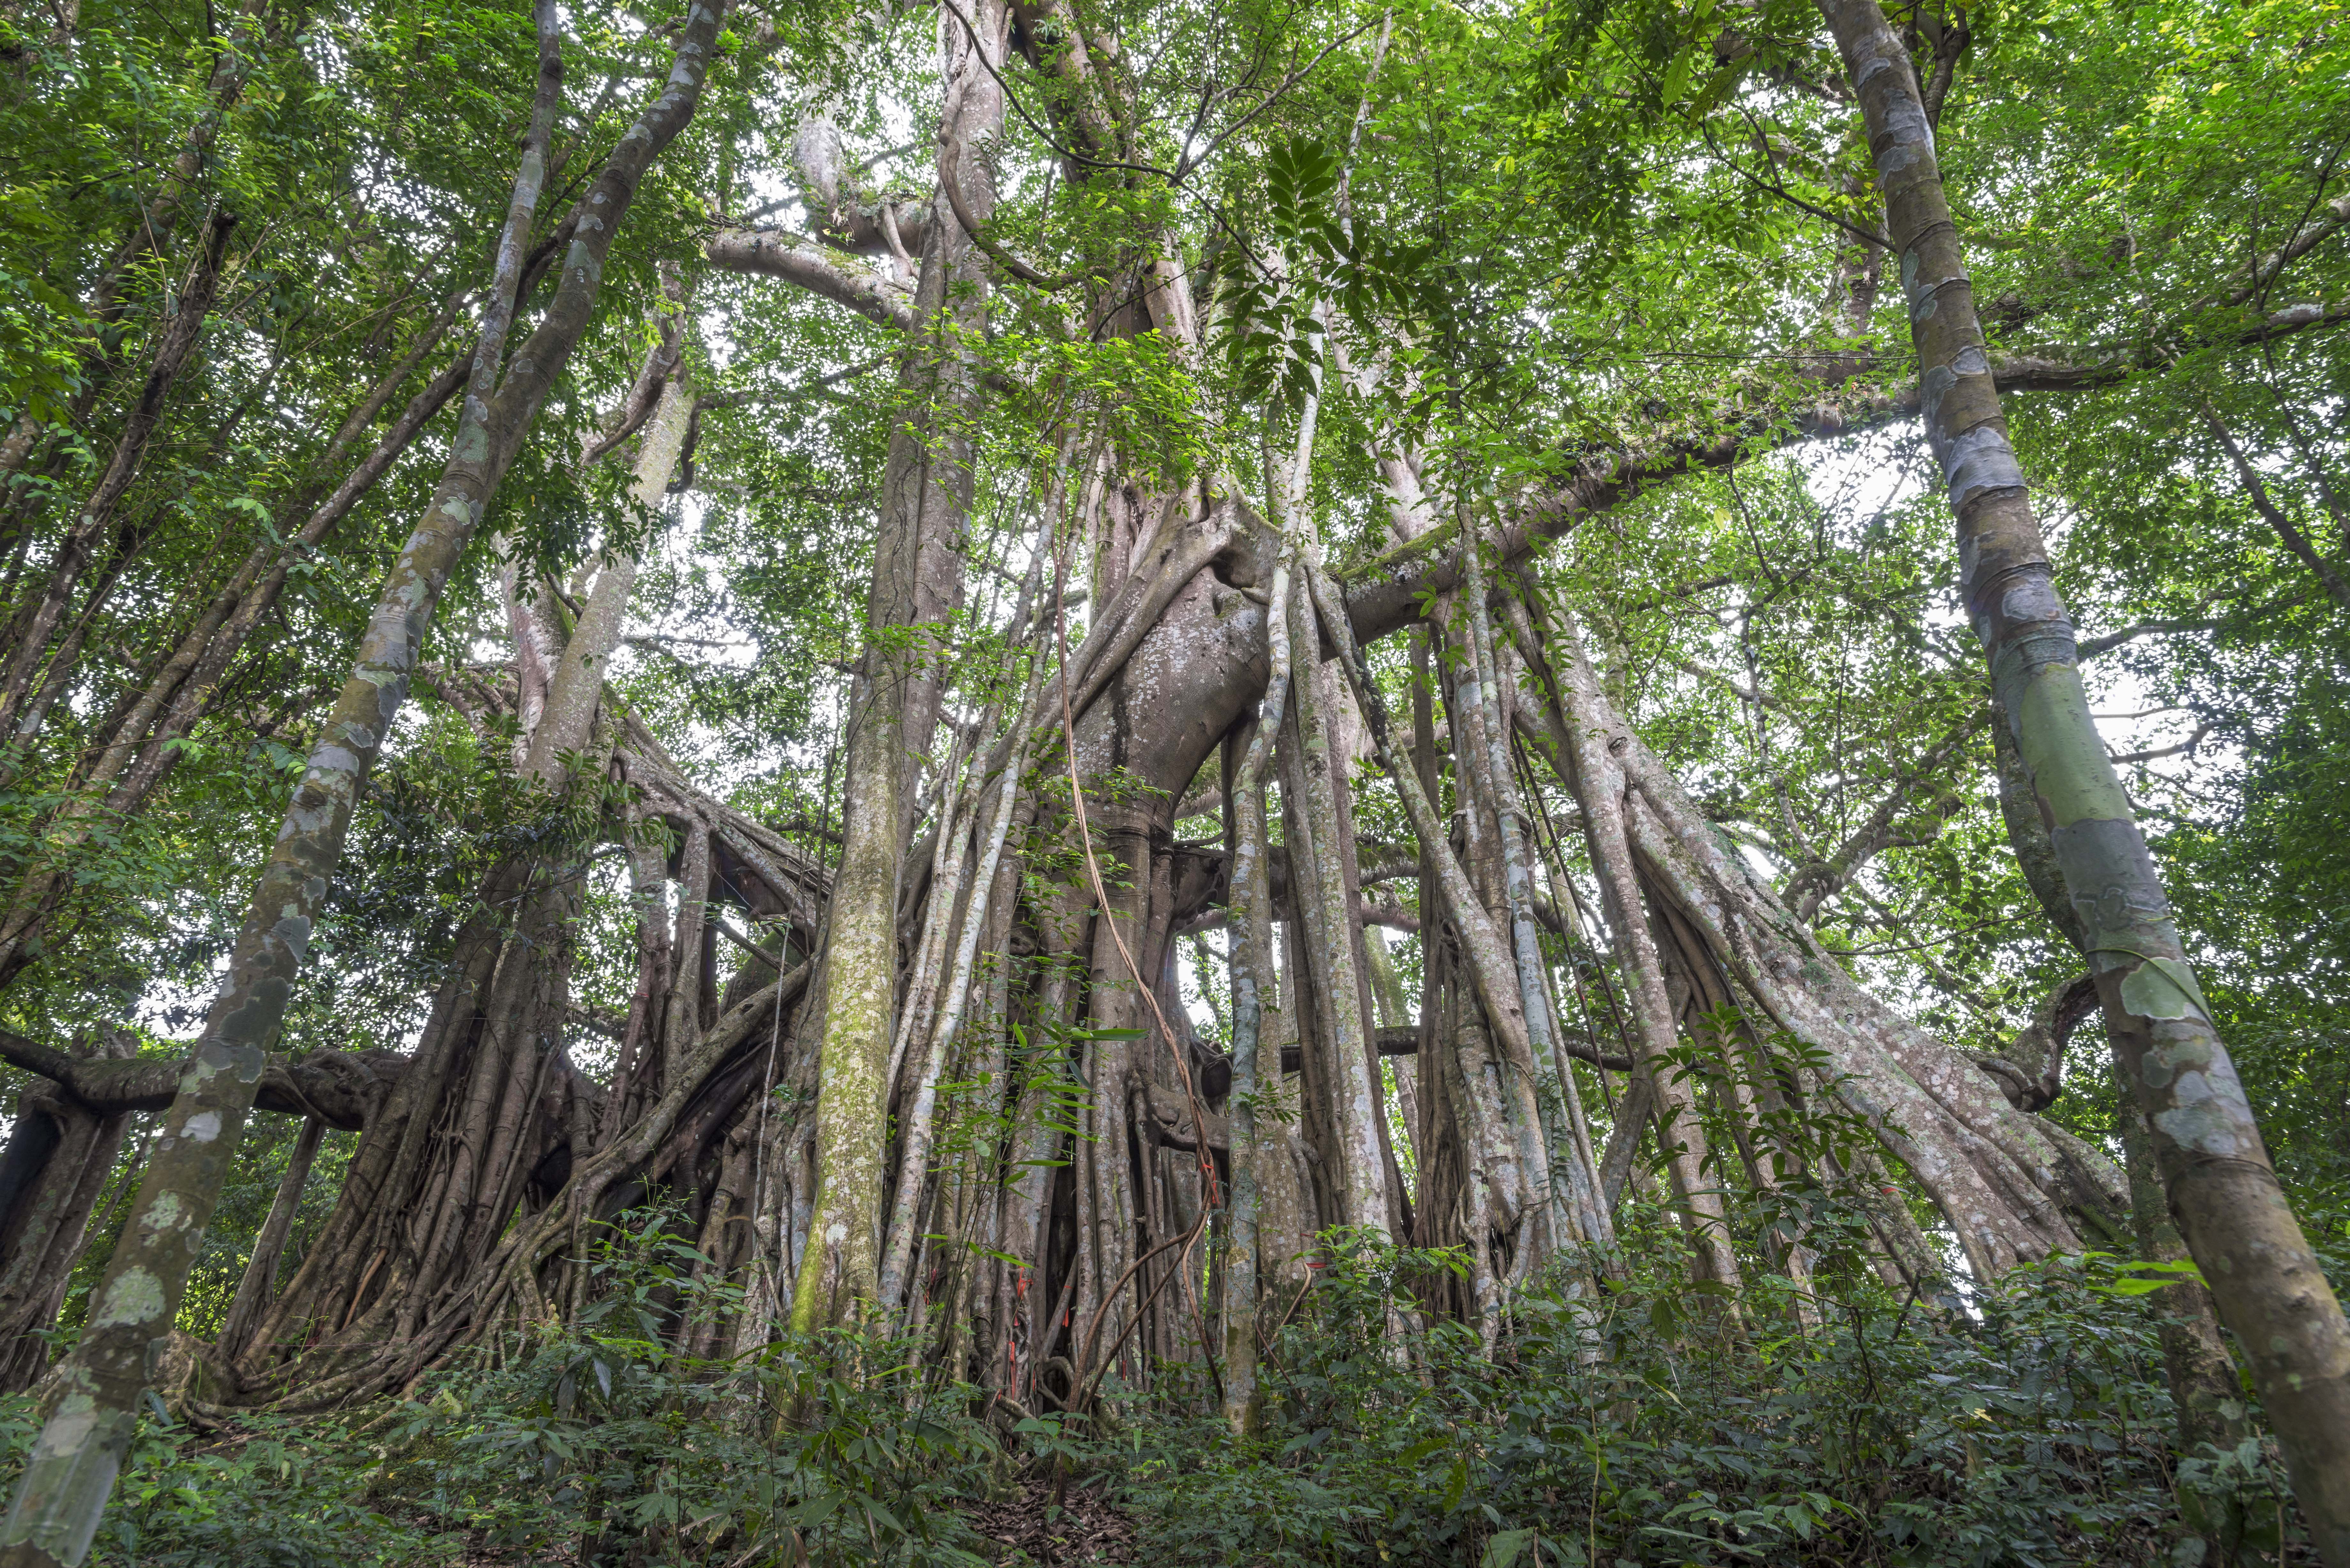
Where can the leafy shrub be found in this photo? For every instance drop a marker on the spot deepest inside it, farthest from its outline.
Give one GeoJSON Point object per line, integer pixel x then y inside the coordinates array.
{"type": "Point", "coordinates": [1644, 1426]}
{"type": "Point", "coordinates": [600, 1447]}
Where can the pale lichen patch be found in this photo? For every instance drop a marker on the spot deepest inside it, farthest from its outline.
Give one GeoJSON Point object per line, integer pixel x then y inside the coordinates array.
{"type": "Point", "coordinates": [134, 1296]}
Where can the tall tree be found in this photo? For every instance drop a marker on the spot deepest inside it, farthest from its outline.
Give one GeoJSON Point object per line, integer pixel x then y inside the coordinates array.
{"type": "Point", "coordinates": [2216, 1170]}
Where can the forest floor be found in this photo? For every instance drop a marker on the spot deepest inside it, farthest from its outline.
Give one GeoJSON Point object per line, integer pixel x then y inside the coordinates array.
{"type": "Point", "coordinates": [2033, 1432]}
{"type": "Point", "coordinates": [1083, 1527]}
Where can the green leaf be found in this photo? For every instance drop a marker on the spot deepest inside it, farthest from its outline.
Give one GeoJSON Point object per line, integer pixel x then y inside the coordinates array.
{"type": "Point", "coordinates": [1504, 1549]}
{"type": "Point", "coordinates": [1676, 76]}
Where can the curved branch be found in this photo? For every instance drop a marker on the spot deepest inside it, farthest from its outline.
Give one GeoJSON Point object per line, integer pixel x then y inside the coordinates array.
{"type": "Point", "coordinates": [1385, 594]}
{"type": "Point", "coordinates": [2029, 1070]}
{"type": "Point", "coordinates": [342, 1088]}
{"type": "Point", "coordinates": [775, 253]}
{"type": "Point", "coordinates": [2087, 368]}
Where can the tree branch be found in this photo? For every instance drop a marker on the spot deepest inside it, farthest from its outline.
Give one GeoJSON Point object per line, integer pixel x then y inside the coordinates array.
{"type": "Point", "coordinates": [777, 252]}
{"type": "Point", "coordinates": [341, 1088]}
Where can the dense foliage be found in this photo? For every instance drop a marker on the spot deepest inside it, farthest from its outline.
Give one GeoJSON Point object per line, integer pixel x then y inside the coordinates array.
{"type": "Point", "coordinates": [2034, 1432]}
{"type": "Point", "coordinates": [1593, 302]}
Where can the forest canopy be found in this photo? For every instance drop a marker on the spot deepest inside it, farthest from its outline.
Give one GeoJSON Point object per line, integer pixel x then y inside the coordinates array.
{"type": "Point", "coordinates": [1099, 780]}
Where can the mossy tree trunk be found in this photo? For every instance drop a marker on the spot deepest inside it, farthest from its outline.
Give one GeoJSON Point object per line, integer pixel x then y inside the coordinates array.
{"type": "Point", "coordinates": [72, 1467]}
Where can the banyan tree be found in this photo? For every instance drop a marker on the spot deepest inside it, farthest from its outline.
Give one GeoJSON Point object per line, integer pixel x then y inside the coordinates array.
{"type": "Point", "coordinates": [1221, 648]}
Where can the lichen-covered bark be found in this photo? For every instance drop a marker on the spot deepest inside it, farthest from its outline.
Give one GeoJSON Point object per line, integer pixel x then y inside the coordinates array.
{"type": "Point", "coordinates": [2205, 1388]}
{"type": "Point", "coordinates": [1254, 982]}
{"type": "Point", "coordinates": [71, 1469]}
{"type": "Point", "coordinates": [917, 581]}
{"type": "Point", "coordinates": [2221, 1186]}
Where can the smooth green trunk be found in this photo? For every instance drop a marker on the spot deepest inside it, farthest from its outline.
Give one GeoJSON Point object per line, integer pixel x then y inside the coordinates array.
{"type": "Point", "coordinates": [2220, 1184]}
{"type": "Point", "coordinates": [917, 581]}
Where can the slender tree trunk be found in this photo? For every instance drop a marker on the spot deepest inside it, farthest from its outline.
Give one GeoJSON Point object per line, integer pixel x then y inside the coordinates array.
{"type": "Point", "coordinates": [260, 1279]}
{"type": "Point", "coordinates": [992, 829]}
{"type": "Point", "coordinates": [1563, 1190]}
{"type": "Point", "coordinates": [1595, 744]}
{"type": "Point", "coordinates": [1341, 1047]}
{"type": "Point", "coordinates": [577, 684]}
{"type": "Point", "coordinates": [1394, 1013]}
{"type": "Point", "coordinates": [1507, 1183]}
{"type": "Point", "coordinates": [73, 1463]}
{"type": "Point", "coordinates": [1251, 896]}
{"type": "Point", "coordinates": [172, 348]}
{"type": "Point", "coordinates": [916, 582]}
{"type": "Point", "coordinates": [2221, 1186]}
{"type": "Point", "coordinates": [1996, 1173]}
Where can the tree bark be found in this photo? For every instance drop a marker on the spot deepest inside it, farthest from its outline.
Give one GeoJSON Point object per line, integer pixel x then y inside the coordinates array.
{"type": "Point", "coordinates": [1341, 1046]}
{"type": "Point", "coordinates": [1253, 980]}
{"type": "Point", "coordinates": [577, 683]}
{"type": "Point", "coordinates": [1596, 742]}
{"type": "Point", "coordinates": [917, 581]}
{"type": "Point", "coordinates": [2202, 1375]}
{"type": "Point", "coordinates": [172, 348]}
{"type": "Point", "coordinates": [73, 1463]}
{"type": "Point", "coordinates": [260, 1278]}
{"type": "Point", "coordinates": [2204, 1386]}
{"type": "Point", "coordinates": [990, 830]}
{"type": "Point", "coordinates": [58, 1157]}
{"type": "Point", "coordinates": [2219, 1183]}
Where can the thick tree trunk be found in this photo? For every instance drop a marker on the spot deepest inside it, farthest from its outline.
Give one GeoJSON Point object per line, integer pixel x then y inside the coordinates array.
{"type": "Point", "coordinates": [1486, 1065]}
{"type": "Point", "coordinates": [504, 1113]}
{"type": "Point", "coordinates": [2202, 1375]}
{"type": "Point", "coordinates": [1993, 1172]}
{"type": "Point", "coordinates": [2204, 1386]}
{"type": "Point", "coordinates": [917, 582]}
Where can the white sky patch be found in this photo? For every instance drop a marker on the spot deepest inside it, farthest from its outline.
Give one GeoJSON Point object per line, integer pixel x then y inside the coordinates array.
{"type": "Point", "coordinates": [1868, 479]}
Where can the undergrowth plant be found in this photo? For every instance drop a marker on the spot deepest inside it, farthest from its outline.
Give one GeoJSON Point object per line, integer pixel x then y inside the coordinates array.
{"type": "Point", "coordinates": [597, 1446]}
{"type": "Point", "coordinates": [1650, 1425]}
{"type": "Point", "coordinates": [1654, 1427]}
